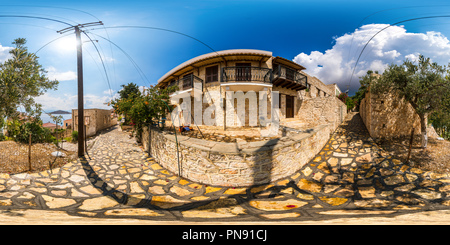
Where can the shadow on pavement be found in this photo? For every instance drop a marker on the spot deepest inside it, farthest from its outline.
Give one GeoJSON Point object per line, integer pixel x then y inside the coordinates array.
{"type": "Point", "coordinates": [370, 189]}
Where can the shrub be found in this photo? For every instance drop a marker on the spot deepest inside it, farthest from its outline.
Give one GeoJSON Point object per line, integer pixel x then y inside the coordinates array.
{"type": "Point", "coordinates": [74, 135]}
{"type": "Point", "coordinates": [21, 132]}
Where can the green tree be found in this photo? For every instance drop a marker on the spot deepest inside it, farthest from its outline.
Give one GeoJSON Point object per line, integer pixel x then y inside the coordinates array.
{"type": "Point", "coordinates": [423, 84]}
{"type": "Point", "coordinates": [440, 119]}
{"type": "Point", "coordinates": [128, 95]}
{"type": "Point", "coordinates": [365, 82]}
{"type": "Point", "coordinates": [145, 108]}
{"type": "Point", "coordinates": [129, 90]}
{"type": "Point", "coordinates": [21, 79]}
{"type": "Point", "coordinates": [348, 101]}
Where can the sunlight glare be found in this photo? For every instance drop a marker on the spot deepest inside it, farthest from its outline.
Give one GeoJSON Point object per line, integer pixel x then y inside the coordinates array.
{"type": "Point", "coordinates": [66, 44]}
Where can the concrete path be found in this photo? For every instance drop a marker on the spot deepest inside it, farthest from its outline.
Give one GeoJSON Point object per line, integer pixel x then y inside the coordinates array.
{"type": "Point", "coordinates": [351, 181]}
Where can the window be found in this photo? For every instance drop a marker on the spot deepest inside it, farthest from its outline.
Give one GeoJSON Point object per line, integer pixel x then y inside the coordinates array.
{"type": "Point", "coordinates": [187, 81]}
{"type": "Point", "coordinates": [212, 74]}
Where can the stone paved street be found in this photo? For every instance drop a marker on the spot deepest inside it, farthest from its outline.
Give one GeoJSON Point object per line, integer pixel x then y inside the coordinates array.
{"type": "Point", "coordinates": [351, 179]}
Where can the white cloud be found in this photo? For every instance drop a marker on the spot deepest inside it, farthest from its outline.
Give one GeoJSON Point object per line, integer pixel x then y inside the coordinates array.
{"type": "Point", "coordinates": [108, 92]}
{"type": "Point", "coordinates": [94, 101]}
{"type": "Point", "coordinates": [4, 53]}
{"type": "Point", "coordinates": [63, 102]}
{"type": "Point", "coordinates": [53, 74]}
{"type": "Point", "coordinates": [67, 102]}
{"type": "Point", "coordinates": [393, 45]}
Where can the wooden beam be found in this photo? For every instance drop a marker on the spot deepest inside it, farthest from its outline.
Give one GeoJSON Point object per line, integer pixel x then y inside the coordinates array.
{"type": "Point", "coordinates": [286, 83]}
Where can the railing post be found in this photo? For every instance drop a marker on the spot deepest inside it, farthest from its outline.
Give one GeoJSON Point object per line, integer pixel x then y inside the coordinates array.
{"type": "Point", "coordinates": [29, 154]}
{"type": "Point", "coordinates": [222, 74]}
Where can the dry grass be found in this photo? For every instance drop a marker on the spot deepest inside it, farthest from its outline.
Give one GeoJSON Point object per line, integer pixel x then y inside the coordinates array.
{"type": "Point", "coordinates": [436, 157]}
{"type": "Point", "coordinates": [14, 157]}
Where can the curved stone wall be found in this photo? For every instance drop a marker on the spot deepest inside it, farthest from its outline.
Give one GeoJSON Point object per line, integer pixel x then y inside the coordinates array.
{"type": "Point", "coordinates": [236, 164]}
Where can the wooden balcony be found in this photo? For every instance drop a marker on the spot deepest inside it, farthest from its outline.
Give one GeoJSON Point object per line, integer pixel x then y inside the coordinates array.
{"type": "Point", "coordinates": [246, 74]}
{"type": "Point", "coordinates": [186, 83]}
{"type": "Point", "coordinates": [286, 77]}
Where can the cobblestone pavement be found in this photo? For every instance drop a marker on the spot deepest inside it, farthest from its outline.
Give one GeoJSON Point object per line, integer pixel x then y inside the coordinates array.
{"type": "Point", "coordinates": [351, 178]}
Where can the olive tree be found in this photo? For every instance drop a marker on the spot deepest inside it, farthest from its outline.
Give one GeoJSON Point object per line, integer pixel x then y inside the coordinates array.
{"type": "Point", "coordinates": [423, 84]}
{"type": "Point", "coordinates": [21, 79]}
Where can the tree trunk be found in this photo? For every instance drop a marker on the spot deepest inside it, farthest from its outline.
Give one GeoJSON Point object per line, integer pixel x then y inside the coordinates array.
{"type": "Point", "coordinates": [423, 129]}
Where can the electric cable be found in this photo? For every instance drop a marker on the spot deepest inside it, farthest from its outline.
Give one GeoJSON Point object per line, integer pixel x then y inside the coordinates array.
{"type": "Point", "coordinates": [33, 17]}
{"type": "Point", "coordinates": [141, 73]}
{"type": "Point", "coordinates": [101, 59]}
{"type": "Point", "coordinates": [160, 29]}
{"type": "Point", "coordinates": [390, 25]}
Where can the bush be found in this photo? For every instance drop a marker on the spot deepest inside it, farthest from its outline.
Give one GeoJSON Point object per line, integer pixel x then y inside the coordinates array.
{"type": "Point", "coordinates": [74, 135]}
{"type": "Point", "coordinates": [8, 138]}
{"type": "Point", "coordinates": [21, 132]}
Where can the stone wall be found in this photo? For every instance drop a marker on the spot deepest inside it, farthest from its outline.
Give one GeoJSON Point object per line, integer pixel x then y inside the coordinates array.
{"type": "Point", "coordinates": [235, 164]}
{"type": "Point", "coordinates": [314, 107]}
{"type": "Point", "coordinates": [322, 110]}
{"type": "Point", "coordinates": [95, 120]}
{"type": "Point", "coordinates": [388, 116]}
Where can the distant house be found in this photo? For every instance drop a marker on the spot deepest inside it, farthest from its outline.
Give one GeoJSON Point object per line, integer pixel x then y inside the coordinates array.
{"type": "Point", "coordinates": [50, 126]}
{"type": "Point", "coordinates": [67, 124]}
{"type": "Point", "coordinates": [334, 87]}
{"type": "Point", "coordinates": [94, 119]}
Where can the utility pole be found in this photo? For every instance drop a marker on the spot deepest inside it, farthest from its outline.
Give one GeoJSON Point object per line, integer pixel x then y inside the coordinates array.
{"type": "Point", "coordinates": [81, 129]}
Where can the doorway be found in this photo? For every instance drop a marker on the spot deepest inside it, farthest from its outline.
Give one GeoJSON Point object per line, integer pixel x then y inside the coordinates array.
{"type": "Point", "coordinates": [243, 71]}
{"type": "Point", "coordinates": [289, 106]}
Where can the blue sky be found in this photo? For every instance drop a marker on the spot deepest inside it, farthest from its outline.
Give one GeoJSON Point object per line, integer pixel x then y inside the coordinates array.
{"type": "Point", "coordinates": [324, 36]}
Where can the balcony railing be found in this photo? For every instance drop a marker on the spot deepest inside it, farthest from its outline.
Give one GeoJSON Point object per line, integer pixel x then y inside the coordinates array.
{"type": "Point", "coordinates": [291, 77]}
{"type": "Point", "coordinates": [246, 74]}
{"type": "Point", "coordinates": [187, 82]}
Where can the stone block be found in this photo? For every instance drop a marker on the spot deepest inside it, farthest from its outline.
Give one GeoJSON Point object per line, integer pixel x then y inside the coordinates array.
{"type": "Point", "coordinates": [225, 148]}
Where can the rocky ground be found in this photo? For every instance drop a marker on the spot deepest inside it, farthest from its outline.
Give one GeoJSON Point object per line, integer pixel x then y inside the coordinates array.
{"type": "Point", "coordinates": [436, 157]}
{"type": "Point", "coordinates": [351, 178]}
{"type": "Point", "coordinates": [14, 156]}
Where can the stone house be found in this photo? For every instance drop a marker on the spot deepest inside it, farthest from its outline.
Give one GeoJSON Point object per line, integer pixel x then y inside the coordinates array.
{"type": "Point", "coordinates": [67, 124]}
{"type": "Point", "coordinates": [334, 87]}
{"type": "Point", "coordinates": [94, 119]}
{"type": "Point", "coordinates": [238, 90]}
{"type": "Point", "coordinates": [256, 74]}
{"type": "Point", "coordinates": [50, 126]}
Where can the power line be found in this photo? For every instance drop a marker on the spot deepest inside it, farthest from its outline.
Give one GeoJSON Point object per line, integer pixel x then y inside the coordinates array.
{"type": "Point", "coordinates": [153, 28]}
{"type": "Point", "coordinates": [380, 11]}
{"type": "Point", "coordinates": [160, 29]}
{"type": "Point", "coordinates": [56, 39]}
{"type": "Point", "coordinates": [390, 25]}
{"type": "Point", "coordinates": [141, 73]}
{"type": "Point", "coordinates": [22, 24]}
{"type": "Point", "coordinates": [66, 8]}
{"type": "Point", "coordinates": [101, 59]}
{"type": "Point", "coordinates": [81, 129]}
{"type": "Point", "coordinates": [33, 17]}
{"type": "Point", "coordinates": [53, 7]}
